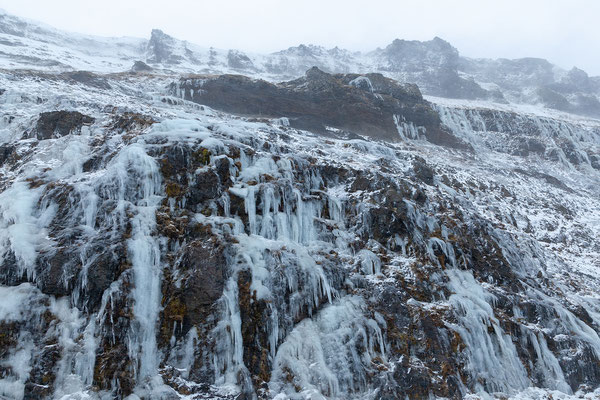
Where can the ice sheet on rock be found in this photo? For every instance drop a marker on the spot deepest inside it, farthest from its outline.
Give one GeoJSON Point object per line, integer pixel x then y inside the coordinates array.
{"type": "Point", "coordinates": [23, 226]}
{"type": "Point", "coordinates": [75, 369]}
{"type": "Point", "coordinates": [139, 184]}
{"type": "Point", "coordinates": [369, 262]}
{"type": "Point", "coordinates": [407, 130]}
{"type": "Point", "coordinates": [329, 355]}
{"type": "Point", "coordinates": [22, 305]}
{"type": "Point", "coordinates": [492, 359]}
{"type": "Point", "coordinates": [538, 227]}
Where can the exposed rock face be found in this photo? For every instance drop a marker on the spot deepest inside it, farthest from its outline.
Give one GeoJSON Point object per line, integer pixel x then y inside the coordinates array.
{"type": "Point", "coordinates": [433, 65]}
{"type": "Point", "coordinates": [164, 49]}
{"type": "Point", "coordinates": [86, 78]}
{"type": "Point", "coordinates": [368, 104]}
{"type": "Point", "coordinates": [571, 91]}
{"type": "Point", "coordinates": [55, 124]}
{"type": "Point", "coordinates": [524, 135]}
{"type": "Point", "coordinates": [140, 66]}
{"type": "Point", "coordinates": [238, 60]}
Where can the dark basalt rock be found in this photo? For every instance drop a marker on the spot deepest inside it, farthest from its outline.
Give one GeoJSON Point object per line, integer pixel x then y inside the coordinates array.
{"type": "Point", "coordinates": [55, 124]}
{"type": "Point", "coordinates": [238, 60]}
{"type": "Point", "coordinates": [9, 271]}
{"type": "Point", "coordinates": [56, 273]}
{"type": "Point", "coordinates": [423, 172]}
{"type": "Point", "coordinates": [6, 150]}
{"type": "Point", "coordinates": [253, 313]}
{"type": "Point", "coordinates": [222, 166]}
{"type": "Point", "coordinates": [41, 378]}
{"type": "Point", "coordinates": [362, 104]}
{"type": "Point", "coordinates": [388, 220]}
{"type": "Point", "coordinates": [102, 271]}
{"type": "Point", "coordinates": [140, 66]}
{"type": "Point", "coordinates": [132, 122]}
{"type": "Point", "coordinates": [87, 78]}
{"type": "Point", "coordinates": [206, 186]}
{"type": "Point", "coordinates": [203, 264]}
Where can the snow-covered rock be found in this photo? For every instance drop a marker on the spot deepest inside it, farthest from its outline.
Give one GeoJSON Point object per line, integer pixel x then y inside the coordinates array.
{"type": "Point", "coordinates": [435, 65]}
{"type": "Point", "coordinates": [153, 245]}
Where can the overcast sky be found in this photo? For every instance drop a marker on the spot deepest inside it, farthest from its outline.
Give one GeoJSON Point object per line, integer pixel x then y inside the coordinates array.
{"type": "Point", "coordinates": [567, 32]}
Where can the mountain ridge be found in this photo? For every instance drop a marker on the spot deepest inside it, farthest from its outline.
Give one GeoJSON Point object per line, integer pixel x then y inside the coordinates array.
{"type": "Point", "coordinates": [435, 65]}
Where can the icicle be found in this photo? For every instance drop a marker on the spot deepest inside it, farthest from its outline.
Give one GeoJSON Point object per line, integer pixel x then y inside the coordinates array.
{"type": "Point", "coordinates": [369, 262]}
{"type": "Point", "coordinates": [228, 357]}
{"type": "Point", "coordinates": [492, 358]}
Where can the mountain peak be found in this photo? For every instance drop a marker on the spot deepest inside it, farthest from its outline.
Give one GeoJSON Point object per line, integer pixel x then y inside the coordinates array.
{"type": "Point", "coordinates": [303, 50]}
{"type": "Point", "coordinates": [165, 49]}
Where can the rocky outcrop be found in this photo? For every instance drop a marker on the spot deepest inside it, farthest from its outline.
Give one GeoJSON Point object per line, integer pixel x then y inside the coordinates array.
{"type": "Point", "coordinates": [165, 49]}
{"type": "Point", "coordinates": [53, 124]}
{"type": "Point", "coordinates": [433, 65]}
{"type": "Point", "coordinates": [370, 105]}
{"type": "Point", "coordinates": [524, 134]}
{"type": "Point", "coordinates": [140, 66]}
{"type": "Point", "coordinates": [238, 60]}
{"type": "Point", "coordinates": [86, 78]}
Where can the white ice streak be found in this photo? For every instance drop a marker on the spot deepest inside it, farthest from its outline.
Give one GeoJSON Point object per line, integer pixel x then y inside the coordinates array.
{"type": "Point", "coordinates": [329, 355]}
{"type": "Point", "coordinates": [492, 358]}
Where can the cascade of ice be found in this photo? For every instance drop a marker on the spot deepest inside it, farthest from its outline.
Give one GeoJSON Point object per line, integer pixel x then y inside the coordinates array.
{"type": "Point", "coordinates": [228, 356]}
{"type": "Point", "coordinates": [492, 358]}
{"type": "Point", "coordinates": [407, 130]}
{"type": "Point", "coordinates": [567, 323]}
{"type": "Point", "coordinates": [461, 125]}
{"type": "Point", "coordinates": [369, 262]}
{"type": "Point", "coordinates": [139, 185]}
{"type": "Point", "coordinates": [547, 365]}
{"type": "Point", "coordinates": [21, 305]}
{"type": "Point", "coordinates": [76, 366]}
{"type": "Point", "coordinates": [280, 224]}
{"type": "Point", "coordinates": [503, 131]}
{"type": "Point", "coordinates": [26, 215]}
{"type": "Point", "coordinates": [329, 354]}
{"type": "Point", "coordinates": [23, 226]}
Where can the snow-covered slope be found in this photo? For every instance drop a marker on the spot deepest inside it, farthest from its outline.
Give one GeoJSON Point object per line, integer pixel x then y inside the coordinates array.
{"type": "Point", "coordinates": [31, 45]}
{"type": "Point", "coordinates": [335, 236]}
{"type": "Point", "coordinates": [158, 247]}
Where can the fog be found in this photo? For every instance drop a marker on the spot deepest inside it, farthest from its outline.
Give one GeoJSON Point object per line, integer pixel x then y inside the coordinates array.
{"type": "Point", "coordinates": [565, 32]}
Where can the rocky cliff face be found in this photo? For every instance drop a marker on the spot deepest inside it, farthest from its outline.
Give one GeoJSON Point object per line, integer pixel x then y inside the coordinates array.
{"type": "Point", "coordinates": [348, 104]}
{"type": "Point", "coordinates": [155, 247]}
{"type": "Point", "coordinates": [335, 235]}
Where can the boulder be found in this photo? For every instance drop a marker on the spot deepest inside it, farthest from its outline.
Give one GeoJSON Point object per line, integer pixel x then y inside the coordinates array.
{"type": "Point", "coordinates": [55, 124]}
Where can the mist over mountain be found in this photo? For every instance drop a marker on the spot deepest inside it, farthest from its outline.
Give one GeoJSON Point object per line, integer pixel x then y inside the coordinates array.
{"type": "Point", "coordinates": [185, 222]}
{"type": "Point", "coordinates": [435, 65]}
